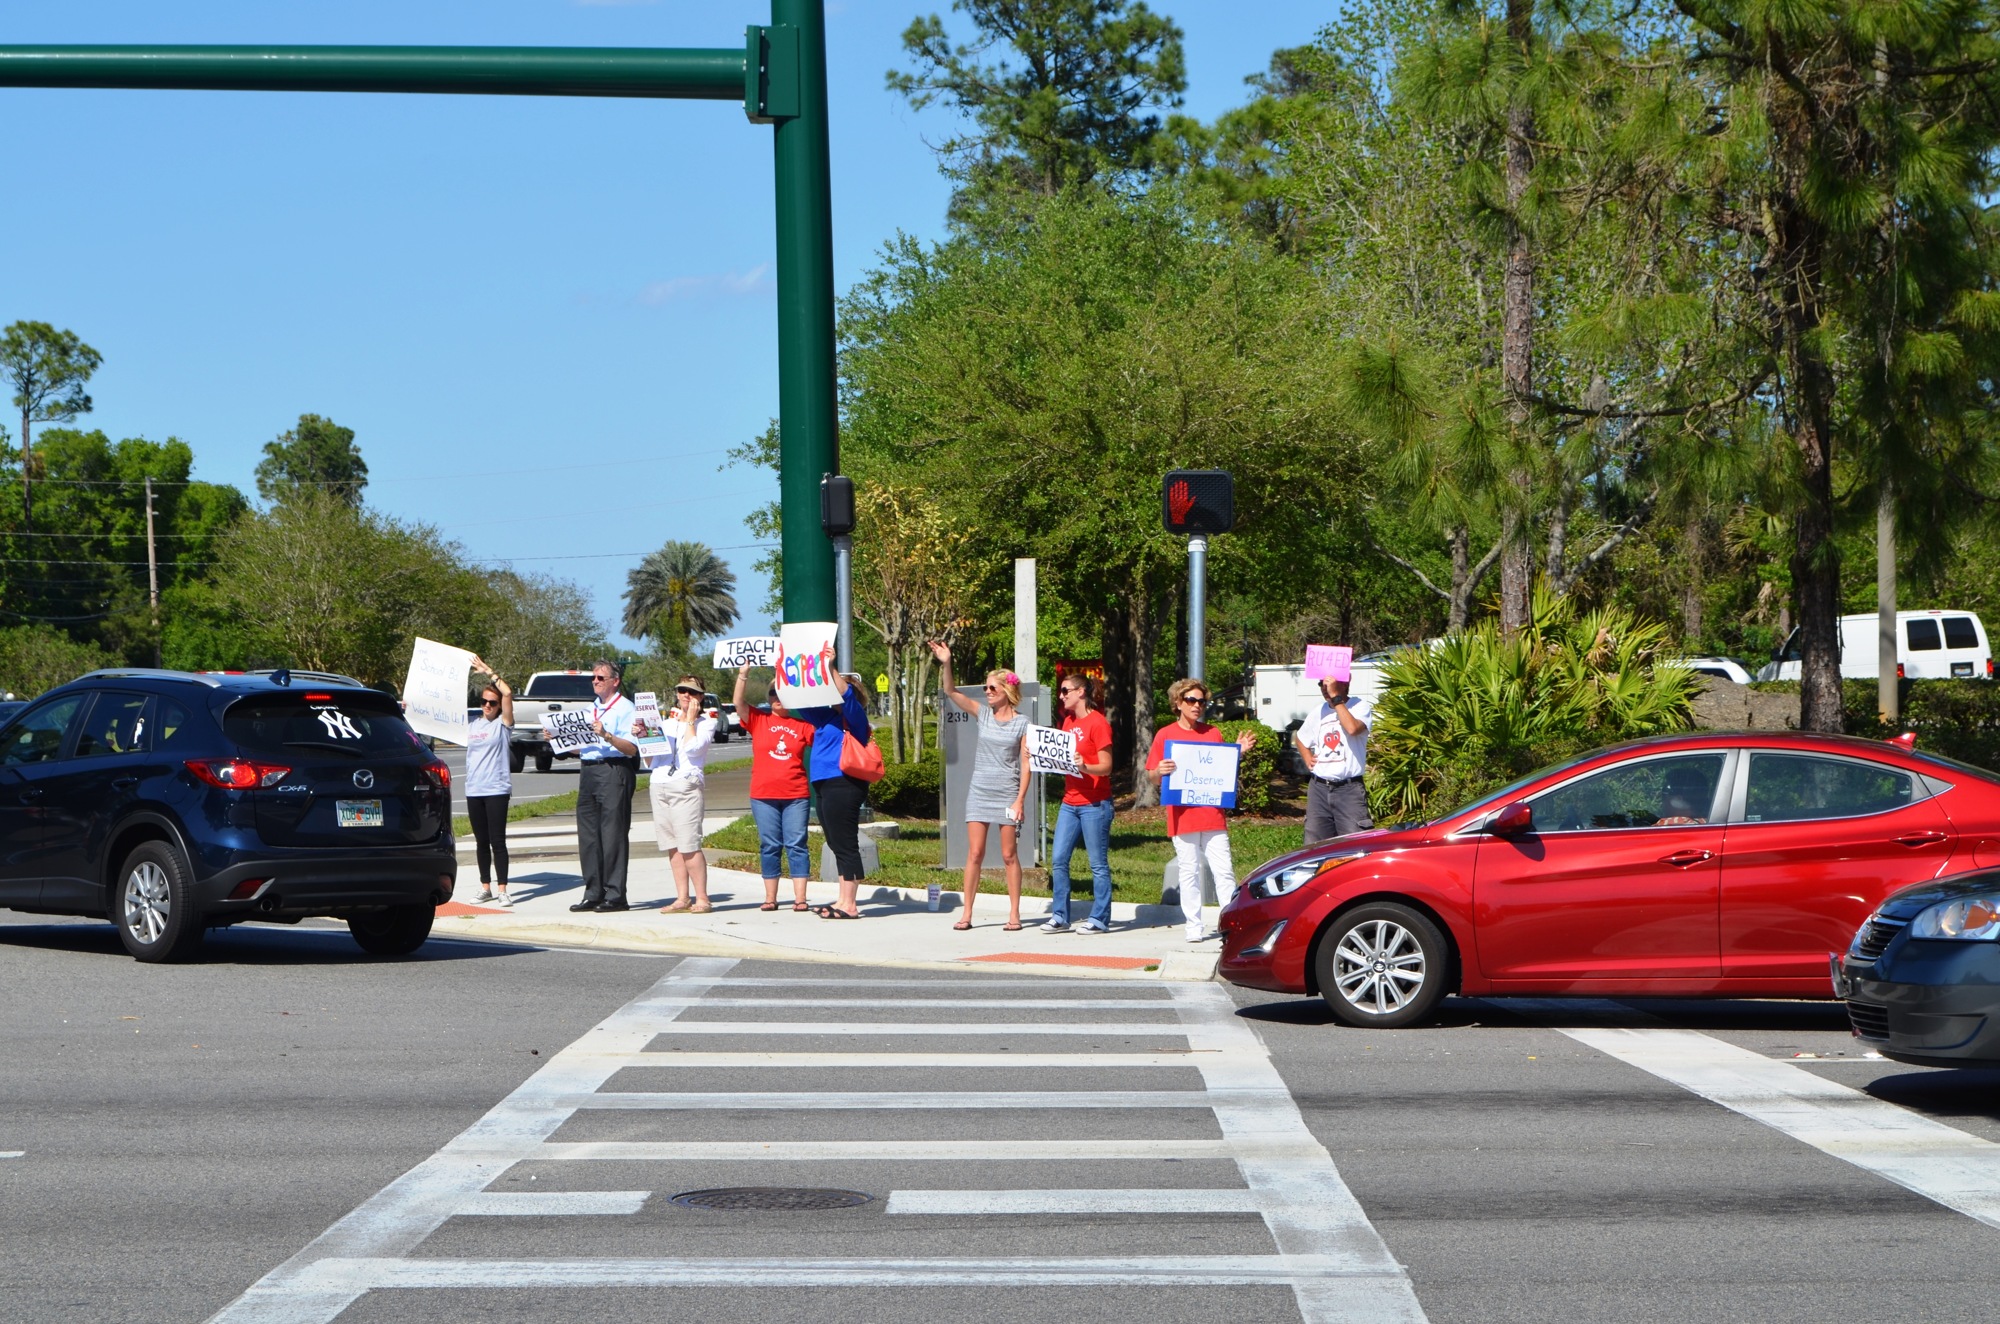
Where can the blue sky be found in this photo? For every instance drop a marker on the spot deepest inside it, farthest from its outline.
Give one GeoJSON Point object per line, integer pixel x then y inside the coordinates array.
{"type": "Point", "coordinates": [545, 319]}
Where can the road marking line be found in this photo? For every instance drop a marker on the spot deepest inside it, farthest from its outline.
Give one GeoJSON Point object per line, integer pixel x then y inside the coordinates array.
{"type": "Point", "coordinates": [999, 1099]}
{"type": "Point", "coordinates": [1129, 1201]}
{"type": "Point", "coordinates": [891, 979]}
{"type": "Point", "coordinates": [543, 1204]}
{"type": "Point", "coordinates": [924, 1029]}
{"type": "Point", "coordinates": [1956, 1169]}
{"type": "Point", "coordinates": [907, 1151]}
{"type": "Point", "coordinates": [1024, 1004]}
{"type": "Point", "coordinates": [13, 1153]}
{"type": "Point", "coordinates": [813, 1061]}
{"type": "Point", "coordinates": [356, 1275]}
{"type": "Point", "coordinates": [398, 1217]}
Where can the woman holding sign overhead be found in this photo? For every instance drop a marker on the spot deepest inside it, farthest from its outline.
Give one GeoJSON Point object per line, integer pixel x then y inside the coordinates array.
{"type": "Point", "coordinates": [1198, 831]}
{"type": "Point", "coordinates": [999, 781]}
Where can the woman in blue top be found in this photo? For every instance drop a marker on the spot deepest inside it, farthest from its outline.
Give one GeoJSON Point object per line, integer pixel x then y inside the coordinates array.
{"type": "Point", "coordinates": [840, 796]}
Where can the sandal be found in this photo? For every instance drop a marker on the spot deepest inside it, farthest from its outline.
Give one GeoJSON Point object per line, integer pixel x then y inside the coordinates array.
{"type": "Point", "coordinates": [1015, 927]}
{"type": "Point", "coordinates": [700, 908]}
{"type": "Point", "coordinates": [963, 925]}
{"type": "Point", "coordinates": [833, 912]}
{"type": "Point", "coordinates": [678, 906]}
{"type": "Point", "coordinates": [768, 905]}
{"type": "Point", "coordinates": [800, 907]}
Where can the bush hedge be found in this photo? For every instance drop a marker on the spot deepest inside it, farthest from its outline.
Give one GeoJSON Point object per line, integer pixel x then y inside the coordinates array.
{"type": "Point", "coordinates": [910, 790]}
{"type": "Point", "coordinates": [1260, 764]}
{"type": "Point", "coordinates": [1959, 719]}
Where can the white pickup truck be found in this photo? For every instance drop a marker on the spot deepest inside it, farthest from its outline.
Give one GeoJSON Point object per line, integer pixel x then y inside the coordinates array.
{"type": "Point", "coordinates": [545, 692]}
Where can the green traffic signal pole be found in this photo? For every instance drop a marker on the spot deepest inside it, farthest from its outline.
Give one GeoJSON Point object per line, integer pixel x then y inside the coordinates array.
{"type": "Point", "coordinates": [779, 74]}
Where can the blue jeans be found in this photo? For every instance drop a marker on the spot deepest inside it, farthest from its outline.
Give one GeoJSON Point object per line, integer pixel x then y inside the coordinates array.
{"type": "Point", "coordinates": [781, 832]}
{"type": "Point", "coordinates": [1093, 824]}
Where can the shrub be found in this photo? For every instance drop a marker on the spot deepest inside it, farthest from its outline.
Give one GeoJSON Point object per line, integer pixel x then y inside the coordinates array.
{"type": "Point", "coordinates": [34, 658]}
{"type": "Point", "coordinates": [1479, 709]}
{"type": "Point", "coordinates": [910, 790]}
{"type": "Point", "coordinates": [1260, 764]}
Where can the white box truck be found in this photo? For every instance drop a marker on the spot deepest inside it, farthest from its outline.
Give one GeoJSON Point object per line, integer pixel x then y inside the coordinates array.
{"type": "Point", "coordinates": [1930, 645]}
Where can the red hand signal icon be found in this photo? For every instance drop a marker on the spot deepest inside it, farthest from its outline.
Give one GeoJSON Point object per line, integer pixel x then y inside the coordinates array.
{"type": "Point", "coordinates": [1179, 502]}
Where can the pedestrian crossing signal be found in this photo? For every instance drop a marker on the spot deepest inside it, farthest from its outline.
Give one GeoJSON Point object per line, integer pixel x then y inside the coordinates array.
{"type": "Point", "coordinates": [1198, 501]}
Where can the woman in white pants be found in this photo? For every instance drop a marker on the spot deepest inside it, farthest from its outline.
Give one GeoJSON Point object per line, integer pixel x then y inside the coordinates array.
{"type": "Point", "coordinates": [1198, 831]}
{"type": "Point", "coordinates": [676, 794]}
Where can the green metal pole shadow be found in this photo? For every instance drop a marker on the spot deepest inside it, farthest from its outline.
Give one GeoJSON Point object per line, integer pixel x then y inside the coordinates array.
{"type": "Point", "coordinates": [779, 74]}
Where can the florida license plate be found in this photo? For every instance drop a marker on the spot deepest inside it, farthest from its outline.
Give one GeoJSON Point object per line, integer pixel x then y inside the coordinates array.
{"type": "Point", "coordinates": [358, 813]}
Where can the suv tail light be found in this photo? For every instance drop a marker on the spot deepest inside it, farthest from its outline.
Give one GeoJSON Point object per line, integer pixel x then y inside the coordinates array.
{"type": "Point", "coordinates": [238, 774]}
{"type": "Point", "coordinates": [440, 775]}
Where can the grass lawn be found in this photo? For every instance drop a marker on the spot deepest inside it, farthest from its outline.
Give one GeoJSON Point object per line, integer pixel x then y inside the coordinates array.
{"type": "Point", "coordinates": [1139, 851]}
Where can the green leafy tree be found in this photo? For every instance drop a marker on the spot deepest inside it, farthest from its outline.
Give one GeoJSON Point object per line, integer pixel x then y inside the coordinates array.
{"type": "Point", "coordinates": [319, 455]}
{"type": "Point", "coordinates": [1061, 92]}
{"type": "Point", "coordinates": [679, 593]}
{"type": "Point", "coordinates": [34, 658]}
{"type": "Point", "coordinates": [48, 370]}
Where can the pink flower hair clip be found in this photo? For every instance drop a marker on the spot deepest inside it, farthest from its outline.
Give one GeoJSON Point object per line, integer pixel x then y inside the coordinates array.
{"type": "Point", "coordinates": [1013, 679]}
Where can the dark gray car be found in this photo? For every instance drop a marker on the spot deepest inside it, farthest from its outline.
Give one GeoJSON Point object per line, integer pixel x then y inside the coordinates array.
{"type": "Point", "coordinates": [1922, 978]}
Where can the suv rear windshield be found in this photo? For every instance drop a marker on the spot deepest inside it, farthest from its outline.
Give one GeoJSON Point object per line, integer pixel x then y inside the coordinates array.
{"type": "Point", "coordinates": [560, 687]}
{"type": "Point", "coordinates": [364, 725]}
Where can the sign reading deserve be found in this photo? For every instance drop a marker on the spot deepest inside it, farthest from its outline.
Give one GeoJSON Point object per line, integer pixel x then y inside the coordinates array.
{"type": "Point", "coordinates": [805, 665]}
{"type": "Point", "coordinates": [434, 691]}
{"type": "Point", "coordinates": [656, 747]}
{"type": "Point", "coordinates": [1204, 773]}
{"type": "Point", "coordinates": [1329, 662]}
{"type": "Point", "coordinates": [761, 651]}
{"type": "Point", "coordinates": [568, 731]}
{"type": "Point", "coordinates": [1051, 749]}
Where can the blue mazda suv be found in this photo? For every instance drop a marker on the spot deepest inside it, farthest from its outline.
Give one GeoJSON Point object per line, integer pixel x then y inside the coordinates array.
{"type": "Point", "coordinates": [172, 802]}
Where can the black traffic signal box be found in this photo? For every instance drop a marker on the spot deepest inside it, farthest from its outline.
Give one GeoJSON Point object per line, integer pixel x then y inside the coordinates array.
{"type": "Point", "coordinates": [1198, 501]}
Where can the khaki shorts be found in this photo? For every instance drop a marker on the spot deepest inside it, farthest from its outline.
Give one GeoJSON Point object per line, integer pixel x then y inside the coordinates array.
{"type": "Point", "coordinates": [677, 814]}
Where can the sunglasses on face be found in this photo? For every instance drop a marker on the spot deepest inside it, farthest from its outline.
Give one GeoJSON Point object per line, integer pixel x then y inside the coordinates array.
{"type": "Point", "coordinates": [602, 679]}
{"type": "Point", "coordinates": [1194, 698]}
{"type": "Point", "coordinates": [992, 689]}
{"type": "Point", "coordinates": [489, 703]}
{"type": "Point", "coordinates": [682, 689]}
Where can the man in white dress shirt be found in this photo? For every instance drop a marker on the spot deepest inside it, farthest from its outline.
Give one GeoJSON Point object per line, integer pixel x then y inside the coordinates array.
{"type": "Point", "coordinates": [604, 793]}
{"type": "Point", "coordinates": [1334, 744]}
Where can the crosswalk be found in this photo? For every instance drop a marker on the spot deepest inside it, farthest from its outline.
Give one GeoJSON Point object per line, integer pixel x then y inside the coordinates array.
{"type": "Point", "coordinates": [1315, 1239]}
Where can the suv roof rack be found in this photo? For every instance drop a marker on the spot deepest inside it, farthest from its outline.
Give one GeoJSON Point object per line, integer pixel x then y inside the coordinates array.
{"type": "Point", "coordinates": [317, 677]}
{"type": "Point", "coordinates": [153, 673]}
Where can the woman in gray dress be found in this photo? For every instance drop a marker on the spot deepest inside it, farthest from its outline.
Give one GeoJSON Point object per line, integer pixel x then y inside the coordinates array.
{"type": "Point", "coordinates": [999, 780]}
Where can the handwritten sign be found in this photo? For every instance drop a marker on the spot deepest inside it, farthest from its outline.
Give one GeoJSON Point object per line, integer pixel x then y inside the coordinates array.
{"type": "Point", "coordinates": [568, 731]}
{"type": "Point", "coordinates": [761, 651]}
{"type": "Point", "coordinates": [805, 665]}
{"type": "Point", "coordinates": [1204, 773]}
{"type": "Point", "coordinates": [434, 691]}
{"type": "Point", "coordinates": [1051, 749]}
{"type": "Point", "coordinates": [1329, 662]}
{"type": "Point", "coordinates": [657, 749]}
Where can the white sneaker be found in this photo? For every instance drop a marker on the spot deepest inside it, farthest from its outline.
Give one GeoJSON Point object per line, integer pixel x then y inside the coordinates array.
{"type": "Point", "coordinates": [1056, 925]}
{"type": "Point", "coordinates": [504, 900]}
{"type": "Point", "coordinates": [486, 895]}
{"type": "Point", "coordinates": [1088, 925]}
{"type": "Point", "coordinates": [1194, 933]}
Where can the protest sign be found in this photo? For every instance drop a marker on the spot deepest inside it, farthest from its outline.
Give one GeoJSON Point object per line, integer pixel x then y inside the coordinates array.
{"type": "Point", "coordinates": [805, 665]}
{"type": "Point", "coordinates": [1051, 749]}
{"type": "Point", "coordinates": [1329, 662]}
{"type": "Point", "coordinates": [568, 731]}
{"type": "Point", "coordinates": [1204, 773]}
{"type": "Point", "coordinates": [657, 749]}
{"type": "Point", "coordinates": [434, 691]}
{"type": "Point", "coordinates": [760, 651]}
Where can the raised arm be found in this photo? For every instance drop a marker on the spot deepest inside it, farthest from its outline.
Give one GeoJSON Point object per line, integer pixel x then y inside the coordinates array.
{"type": "Point", "coordinates": [943, 656]}
{"type": "Point", "coordinates": [742, 689]}
{"type": "Point", "coordinates": [506, 691]}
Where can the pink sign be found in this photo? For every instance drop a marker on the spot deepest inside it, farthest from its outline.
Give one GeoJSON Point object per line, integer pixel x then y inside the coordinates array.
{"type": "Point", "coordinates": [1329, 662]}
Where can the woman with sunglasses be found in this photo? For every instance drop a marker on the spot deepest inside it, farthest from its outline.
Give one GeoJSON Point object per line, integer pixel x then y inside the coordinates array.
{"type": "Point", "coordinates": [1198, 831]}
{"type": "Point", "coordinates": [677, 788]}
{"type": "Point", "coordinates": [488, 782]}
{"type": "Point", "coordinates": [999, 786]}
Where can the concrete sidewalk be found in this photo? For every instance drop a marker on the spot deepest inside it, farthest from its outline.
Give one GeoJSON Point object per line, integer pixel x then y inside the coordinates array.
{"type": "Point", "coordinates": [896, 927]}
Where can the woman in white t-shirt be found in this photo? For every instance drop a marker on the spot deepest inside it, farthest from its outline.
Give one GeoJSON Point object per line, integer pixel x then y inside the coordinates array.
{"type": "Point", "coordinates": [676, 793]}
{"type": "Point", "coordinates": [488, 781]}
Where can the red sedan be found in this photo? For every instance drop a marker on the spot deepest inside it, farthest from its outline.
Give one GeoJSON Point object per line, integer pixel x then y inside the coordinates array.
{"type": "Point", "coordinates": [1682, 866]}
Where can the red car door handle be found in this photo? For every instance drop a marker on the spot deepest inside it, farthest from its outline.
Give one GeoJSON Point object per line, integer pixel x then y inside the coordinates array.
{"type": "Point", "coordinates": [1681, 859]}
{"type": "Point", "coordinates": [1920, 839]}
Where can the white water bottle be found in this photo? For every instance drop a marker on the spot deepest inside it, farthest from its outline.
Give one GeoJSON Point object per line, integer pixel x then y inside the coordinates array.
{"type": "Point", "coordinates": [937, 893]}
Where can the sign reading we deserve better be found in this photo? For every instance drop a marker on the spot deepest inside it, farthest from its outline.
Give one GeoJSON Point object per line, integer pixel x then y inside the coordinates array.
{"type": "Point", "coordinates": [1051, 749]}
{"type": "Point", "coordinates": [1204, 773]}
{"type": "Point", "coordinates": [805, 665]}
{"type": "Point", "coordinates": [568, 731]}
{"type": "Point", "coordinates": [760, 651]}
{"type": "Point", "coordinates": [434, 691]}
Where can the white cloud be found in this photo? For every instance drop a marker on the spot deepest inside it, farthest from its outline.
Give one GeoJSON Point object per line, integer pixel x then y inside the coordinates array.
{"type": "Point", "coordinates": [728, 284]}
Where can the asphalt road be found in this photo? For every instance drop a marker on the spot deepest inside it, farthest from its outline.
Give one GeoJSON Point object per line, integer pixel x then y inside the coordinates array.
{"type": "Point", "coordinates": [185, 1131]}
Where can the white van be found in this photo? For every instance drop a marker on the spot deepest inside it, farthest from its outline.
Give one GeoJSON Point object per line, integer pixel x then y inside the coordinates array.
{"type": "Point", "coordinates": [1282, 696]}
{"type": "Point", "coordinates": [1930, 645]}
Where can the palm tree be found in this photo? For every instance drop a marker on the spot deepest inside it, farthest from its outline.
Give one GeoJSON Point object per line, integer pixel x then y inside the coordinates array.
{"type": "Point", "coordinates": [681, 591]}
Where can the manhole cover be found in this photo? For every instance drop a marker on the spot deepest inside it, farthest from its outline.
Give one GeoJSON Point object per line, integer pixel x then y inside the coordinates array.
{"type": "Point", "coordinates": [772, 1197]}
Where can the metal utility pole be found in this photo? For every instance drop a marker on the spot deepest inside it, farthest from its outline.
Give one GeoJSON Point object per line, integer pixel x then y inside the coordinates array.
{"type": "Point", "coordinates": [152, 571]}
{"type": "Point", "coordinates": [778, 74]}
{"type": "Point", "coordinates": [1197, 650]}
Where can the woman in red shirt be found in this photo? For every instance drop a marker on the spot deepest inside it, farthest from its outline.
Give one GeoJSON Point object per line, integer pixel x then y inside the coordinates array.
{"type": "Point", "coordinates": [1198, 831]}
{"type": "Point", "coordinates": [780, 744]}
{"type": "Point", "coordinates": [1086, 810]}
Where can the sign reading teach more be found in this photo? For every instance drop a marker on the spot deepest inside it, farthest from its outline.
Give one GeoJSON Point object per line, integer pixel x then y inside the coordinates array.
{"type": "Point", "coordinates": [805, 665]}
{"type": "Point", "coordinates": [758, 651]}
{"type": "Point", "coordinates": [1051, 749]}
{"type": "Point", "coordinates": [568, 731]}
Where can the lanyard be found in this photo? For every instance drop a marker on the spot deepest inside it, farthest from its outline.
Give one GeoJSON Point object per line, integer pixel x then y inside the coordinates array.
{"type": "Point", "coordinates": [598, 713]}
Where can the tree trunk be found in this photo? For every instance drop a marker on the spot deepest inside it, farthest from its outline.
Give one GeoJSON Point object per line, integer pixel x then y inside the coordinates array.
{"type": "Point", "coordinates": [1114, 646]}
{"type": "Point", "coordinates": [1815, 556]}
{"type": "Point", "coordinates": [1517, 333]}
{"type": "Point", "coordinates": [895, 706]}
{"type": "Point", "coordinates": [1888, 692]}
{"type": "Point", "coordinates": [27, 476]}
{"type": "Point", "coordinates": [1694, 611]}
{"type": "Point", "coordinates": [1145, 638]}
{"type": "Point", "coordinates": [1458, 609]}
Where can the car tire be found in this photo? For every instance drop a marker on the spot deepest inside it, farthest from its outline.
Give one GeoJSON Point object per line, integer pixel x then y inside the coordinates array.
{"type": "Point", "coordinates": [152, 905]}
{"type": "Point", "coordinates": [517, 759]}
{"type": "Point", "coordinates": [397, 931]}
{"type": "Point", "coordinates": [1382, 965]}
{"type": "Point", "coordinates": [543, 762]}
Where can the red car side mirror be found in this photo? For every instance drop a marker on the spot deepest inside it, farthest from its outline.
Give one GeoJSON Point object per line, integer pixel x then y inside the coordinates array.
{"type": "Point", "coordinates": [1514, 820]}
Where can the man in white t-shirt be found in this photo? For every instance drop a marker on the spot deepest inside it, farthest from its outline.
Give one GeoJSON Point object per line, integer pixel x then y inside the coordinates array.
{"type": "Point", "coordinates": [1334, 744]}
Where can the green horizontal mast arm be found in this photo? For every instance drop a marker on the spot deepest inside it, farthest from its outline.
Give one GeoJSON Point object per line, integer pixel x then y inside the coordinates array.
{"type": "Point", "coordinates": [582, 71]}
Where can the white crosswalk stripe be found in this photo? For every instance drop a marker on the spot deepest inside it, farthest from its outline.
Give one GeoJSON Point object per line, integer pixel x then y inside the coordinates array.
{"type": "Point", "coordinates": [1321, 1245]}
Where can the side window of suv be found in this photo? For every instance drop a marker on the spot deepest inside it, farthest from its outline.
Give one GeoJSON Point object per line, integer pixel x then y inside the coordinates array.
{"type": "Point", "coordinates": [117, 724]}
{"type": "Point", "coordinates": [37, 736]}
{"type": "Point", "coordinates": [1796, 787]}
{"type": "Point", "coordinates": [170, 726]}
